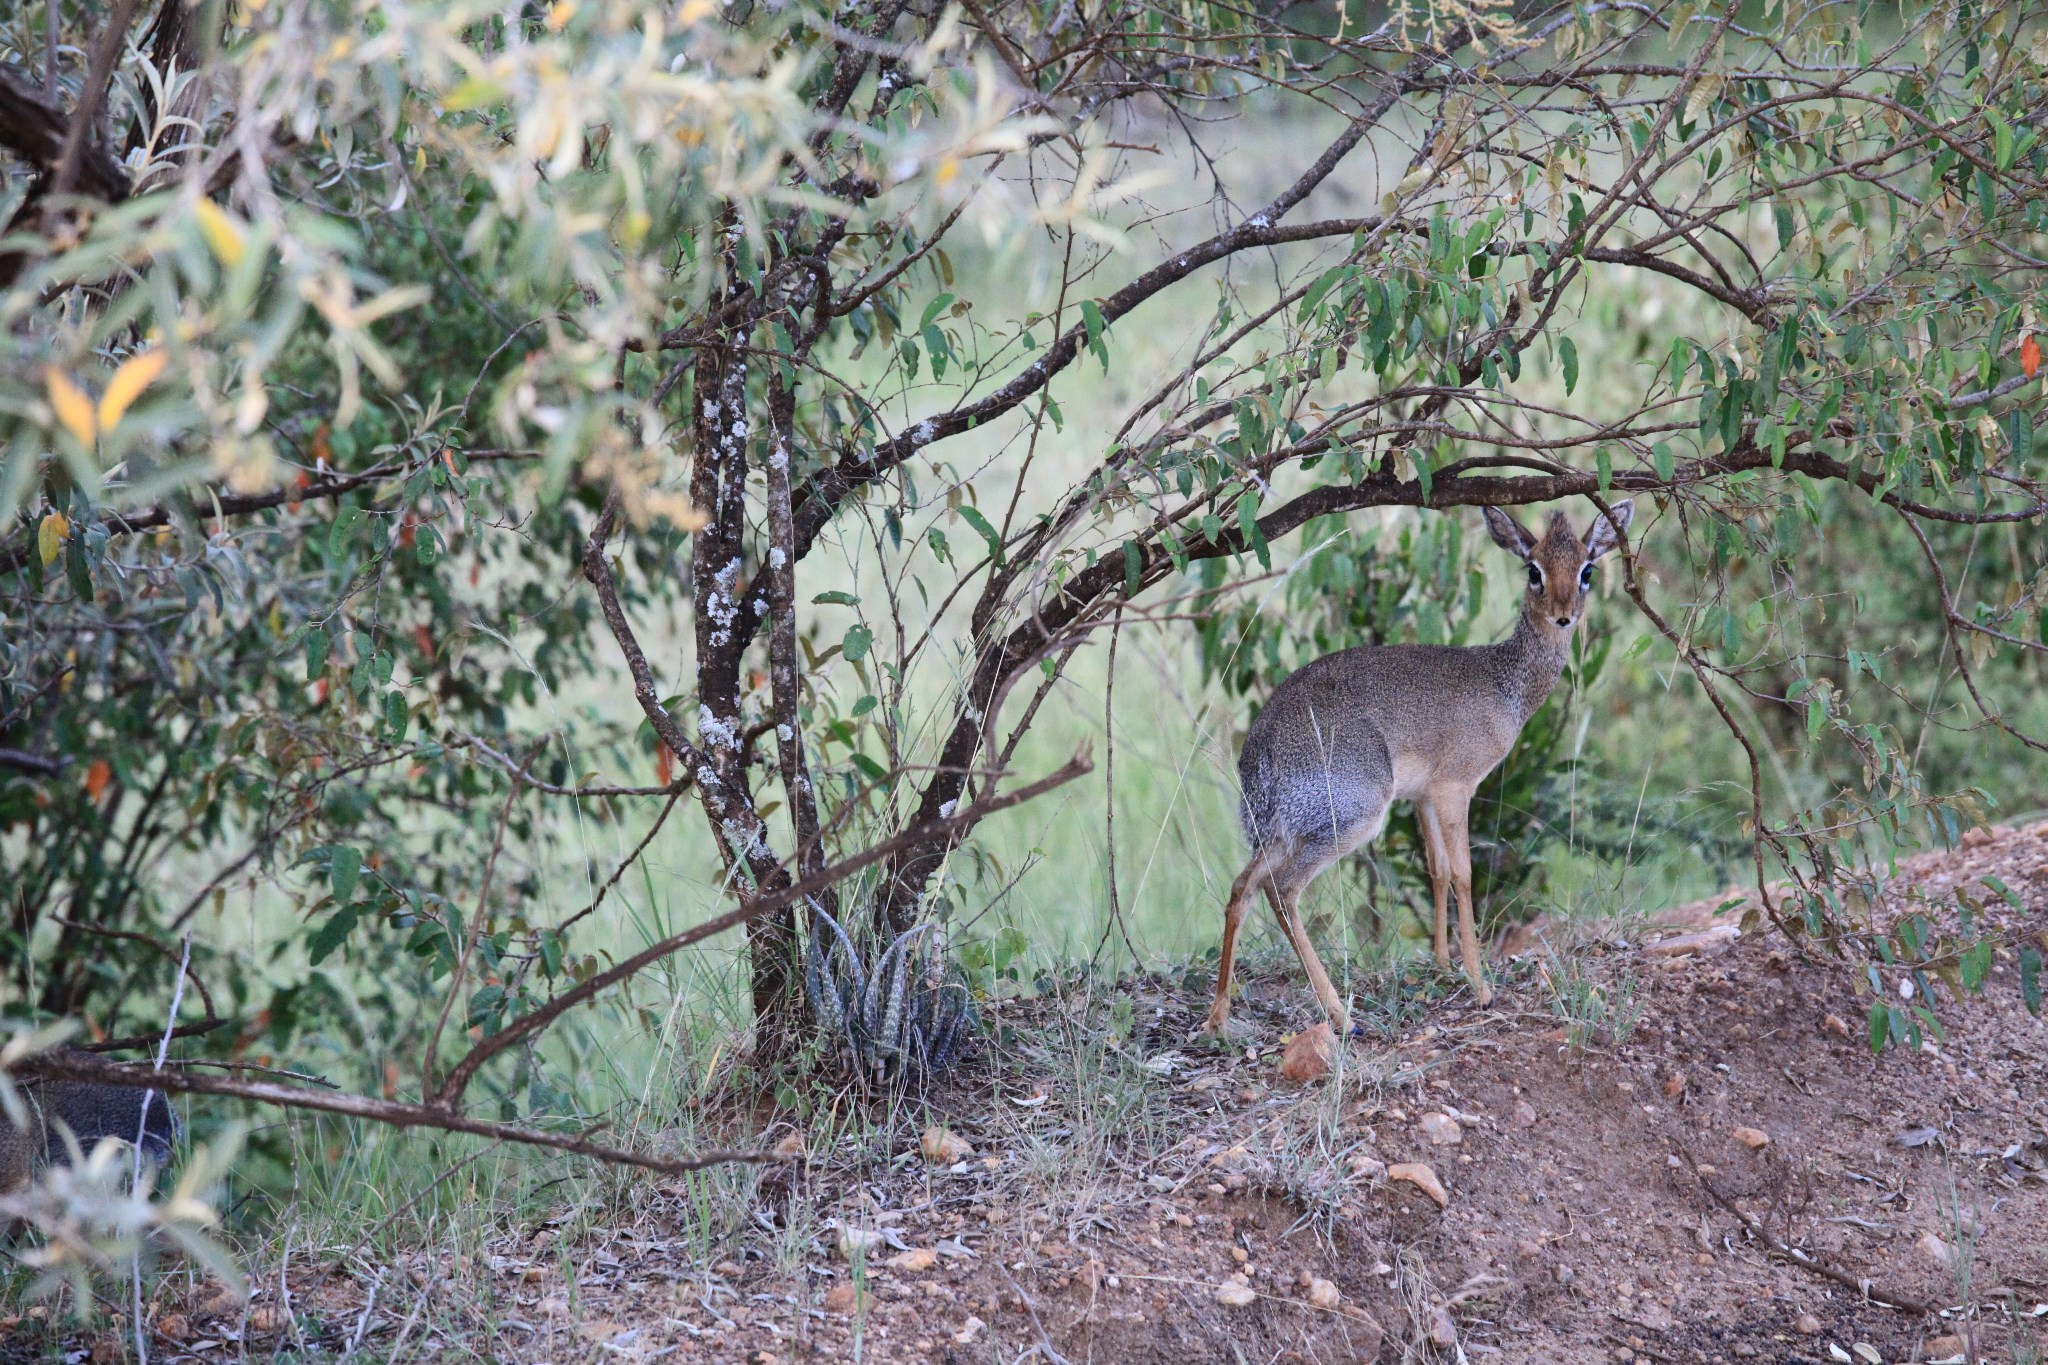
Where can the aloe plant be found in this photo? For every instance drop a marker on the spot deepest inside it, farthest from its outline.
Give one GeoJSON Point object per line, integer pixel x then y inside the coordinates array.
{"type": "Point", "coordinates": [901, 1015]}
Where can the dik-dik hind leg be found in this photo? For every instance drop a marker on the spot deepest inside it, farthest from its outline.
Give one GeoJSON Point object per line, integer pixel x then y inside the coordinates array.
{"type": "Point", "coordinates": [1286, 903]}
{"type": "Point", "coordinates": [1458, 852]}
{"type": "Point", "coordinates": [1241, 892]}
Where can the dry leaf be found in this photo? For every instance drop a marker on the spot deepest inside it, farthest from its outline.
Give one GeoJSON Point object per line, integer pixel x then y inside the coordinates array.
{"type": "Point", "coordinates": [137, 372]}
{"type": "Point", "coordinates": [51, 535]}
{"type": "Point", "coordinates": [224, 237]}
{"type": "Point", "coordinates": [2030, 355]}
{"type": "Point", "coordinates": [97, 777]}
{"type": "Point", "coordinates": [73, 408]}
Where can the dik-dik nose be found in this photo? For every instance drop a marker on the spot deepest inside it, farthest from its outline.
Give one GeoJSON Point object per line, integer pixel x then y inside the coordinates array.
{"type": "Point", "coordinates": [1564, 620]}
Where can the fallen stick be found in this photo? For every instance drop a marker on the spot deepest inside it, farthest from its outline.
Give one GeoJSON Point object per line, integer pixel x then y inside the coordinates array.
{"type": "Point", "coordinates": [1806, 1260]}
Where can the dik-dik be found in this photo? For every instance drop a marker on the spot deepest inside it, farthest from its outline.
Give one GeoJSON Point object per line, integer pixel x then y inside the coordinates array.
{"type": "Point", "coordinates": [55, 1115]}
{"type": "Point", "coordinates": [1345, 737]}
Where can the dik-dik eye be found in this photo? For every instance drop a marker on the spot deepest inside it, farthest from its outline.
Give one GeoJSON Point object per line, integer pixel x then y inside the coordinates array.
{"type": "Point", "coordinates": [1535, 578]}
{"type": "Point", "coordinates": [1586, 575]}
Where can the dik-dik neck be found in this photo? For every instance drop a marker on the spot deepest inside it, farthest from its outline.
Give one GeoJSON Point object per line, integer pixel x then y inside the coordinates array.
{"type": "Point", "coordinates": [1532, 659]}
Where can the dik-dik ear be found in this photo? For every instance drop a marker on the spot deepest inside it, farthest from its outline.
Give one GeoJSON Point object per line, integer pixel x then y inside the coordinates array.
{"type": "Point", "coordinates": [1509, 533]}
{"type": "Point", "coordinates": [1601, 537]}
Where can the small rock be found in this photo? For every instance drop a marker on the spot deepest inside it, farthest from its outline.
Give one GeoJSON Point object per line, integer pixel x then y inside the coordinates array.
{"type": "Point", "coordinates": [1674, 1085]}
{"type": "Point", "coordinates": [915, 1260]}
{"type": "Point", "coordinates": [1936, 1250]}
{"type": "Point", "coordinates": [1236, 1292]}
{"type": "Point", "coordinates": [1945, 1347]}
{"type": "Point", "coordinates": [969, 1330]}
{"type": "Point", "coordinates": [1524, 1115]}
{"type": "Point", "coordinates": [1807, 1325]}
{"type": "Point", "coordinates": [1323, 1294]}
{"type": "Point", "coordinates": [763, 1358]}
{"type": "Point", "coordinates": [1091, 1275]}
{"type": "Point", "coordinates": [943, 1147]}
{"type": "Point", "coordinates": [727, 1270]}
{"type": "Point", "coordinates": [1309, 1056]}
{"type": "Point", "coordinates": [1443, 1332]}
{"type": "Point", "coordinates": [1422, 1178]}
{"type": "Point", "coordinates": [1442, 1130]}
{"type": "Point", "coordinates": [1835, 1026]}
{"type": "Point", "coordinates": [1756, 1139]}
{"type": "Point", "coordinates": [1231, 1158]}
{"type": "Point", "coordinates": [840, 1300]}
{"type": "Point", "coordinates": [1706, 942]}
{"type": "Point", "coordinates": [1366, 1166]}
{"type": "Point", "coordinates": [859, 1243]}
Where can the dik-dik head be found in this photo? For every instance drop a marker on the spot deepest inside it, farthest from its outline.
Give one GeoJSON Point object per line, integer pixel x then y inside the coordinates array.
{"type": "Point", "coordinates": [1560, 564]}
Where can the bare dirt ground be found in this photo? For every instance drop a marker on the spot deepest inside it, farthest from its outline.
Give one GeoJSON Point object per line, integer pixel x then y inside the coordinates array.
{"type": "Point", "coordinates": [1681, 1190]}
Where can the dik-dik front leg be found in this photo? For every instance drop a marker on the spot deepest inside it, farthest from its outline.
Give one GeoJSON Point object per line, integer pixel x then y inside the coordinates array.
{"type": "Point", "coordinates": [1445, 817]}
{"type": "Point", "coordinates": [1427, 816]}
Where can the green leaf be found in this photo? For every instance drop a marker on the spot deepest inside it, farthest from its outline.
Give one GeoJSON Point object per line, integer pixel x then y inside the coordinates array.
{"type": "Point", "coordinates": [346, 519]}
{"type": "Point", "coordinates": [836, 598]}
{"type": "Point", "coordinates": [1091, 319]}
{"type": "Point", "coordinates": [933, 309]}
{"type": "Point", "coordinates": [426, 545]}
{"type": "Point", "coordinates": [1603, 465]}
{"type": "Point", "coordinates": [856, 643]}
{"type": "Point", "coordinates": [973, 517]}
{"type": "Point", "coordinates": [1134, 568]}
{"type": "Point", "coordinates": [1248, 522]}
{"type": "Point", "coordinates": [874, 771]}
{"type": "Point", "coordinates": [2030, 977]}
{"type": "Point", "coordinates": [317, 645]}
{"type": "Point", "coordinates": [344, 869]}
{"type": "Point", "coordinates": [1880, 1025]}
{"type": "Point", "coordinates": [323, 941]}
{"type": "Point", "coordinates": [1976, 964]}
{"type": "Point", "coordinates": [864, 705]}
{"type": "Point", "coordinates": [75, 569]}
{"type": "Point", "coordinates": [1568, 357]}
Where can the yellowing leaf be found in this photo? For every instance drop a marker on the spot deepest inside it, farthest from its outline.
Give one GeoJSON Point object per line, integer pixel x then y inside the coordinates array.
{"type": "Point", "coordinates": [51, 535]}
{"type": "Point", "coordinates": [477, 90]}
{"type": "Point", "coordinates": [223, 235]}
{"type": "Point", "coordinates": [74, 409]}
{"type": "Point", "coordinates": [135, 375]}
{"type": "Point", "coordinates": [97, 777]}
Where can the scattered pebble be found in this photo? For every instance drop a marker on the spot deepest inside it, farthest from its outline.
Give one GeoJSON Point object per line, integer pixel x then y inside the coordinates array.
{"type": "Point", "coordinates": [1442, 1130]}
{"type": "Point", "coordinates": [1422, 1178]}
{"type": "Point", "coordinates": [1309, 1056]}
{"type": "Point", "coordinates": [1756, 1139]}
{"type": "Point", "coordinates": [943, 1147]}
{"type": "Point", "coordinates": [1323, 1294]}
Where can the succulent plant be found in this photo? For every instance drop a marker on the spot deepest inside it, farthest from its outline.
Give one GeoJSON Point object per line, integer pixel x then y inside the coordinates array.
{"type": "Point", "coordinates": [903, 1014]}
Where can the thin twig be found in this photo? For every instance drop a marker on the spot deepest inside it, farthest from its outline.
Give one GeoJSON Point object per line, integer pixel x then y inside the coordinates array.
{"type": "Point", "coordinates": [1806, 1260]}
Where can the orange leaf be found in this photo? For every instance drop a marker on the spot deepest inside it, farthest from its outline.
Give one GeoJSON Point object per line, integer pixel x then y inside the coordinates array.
{"type": "Point", "coordinates": [97, 777]}
{"type": "Point", "coordinates": [2030, 355]}
{"type": "Point", "coordinates": [664, 763]}
{"type": "Point", "coordinates": [424, 638]}
{"type": "Point", "coordinates": [73, 408]}
{"type": "Point", "coordinates": [135, 375]}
